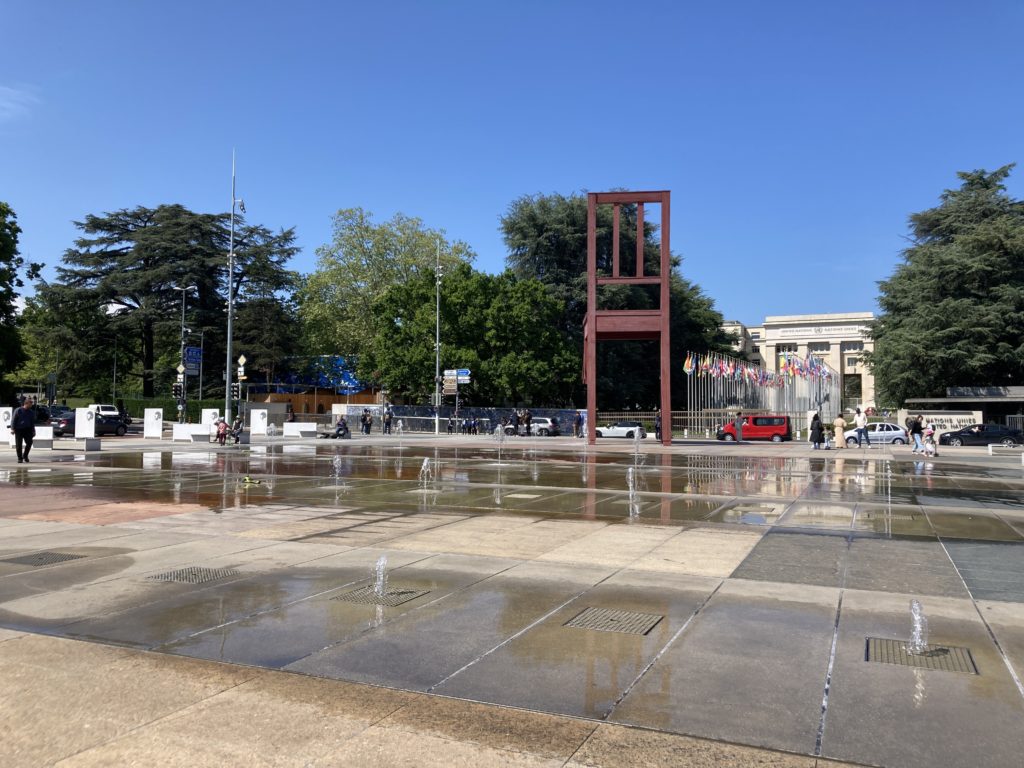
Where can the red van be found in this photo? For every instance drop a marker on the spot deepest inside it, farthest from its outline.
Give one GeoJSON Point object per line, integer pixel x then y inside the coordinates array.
{"type": "Point", "coordinates": [759, 427]}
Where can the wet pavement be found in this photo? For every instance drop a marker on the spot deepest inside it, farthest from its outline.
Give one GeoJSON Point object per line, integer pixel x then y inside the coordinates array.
{"type": "Point", "coordinates": [759, 574]}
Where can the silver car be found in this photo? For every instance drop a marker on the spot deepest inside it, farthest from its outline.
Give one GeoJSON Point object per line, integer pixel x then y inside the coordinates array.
{"type": "Point", "coordinates": [881, 432]}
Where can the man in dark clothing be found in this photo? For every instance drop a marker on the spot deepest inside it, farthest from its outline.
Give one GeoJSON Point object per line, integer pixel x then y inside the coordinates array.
{"type": "Point", "coordinates": [23, 425]}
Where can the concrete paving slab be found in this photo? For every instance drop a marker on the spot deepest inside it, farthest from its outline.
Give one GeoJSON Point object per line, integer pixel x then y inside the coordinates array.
{"type": "Point", "coordinates": [514, 730]}
{"type": "Point", "coordinates": [614, 546]}
{"type": "Point", "coordinates": [925, 568]}
{"type": "Point", "coordinates": [268, 720]}
{"type": "Point", "coordinates": [975, 525]}
{"type": "Point", "coordinates": [991, 570]}
{"type": "Point", "coordinates": [798, 558]}
{"type": "Point", "coordinates": [281, 637]}
{"type": "Point", "coordinates": [621, 747]}
{"type": "Point", "coordinates": [1006, 620]}
{"type": "Point", "coordinates": [753, 642]}
{"type": "Point", "coordinates": [62, 704]}
{"type": "Point", "coordinates": [700, 552]}
{"type": "Point", "coordinates": [567, 670]}
{"type": "Point", "coordinates": [920, 717]}
{"type": "Point", "coordinates": [420, 649]}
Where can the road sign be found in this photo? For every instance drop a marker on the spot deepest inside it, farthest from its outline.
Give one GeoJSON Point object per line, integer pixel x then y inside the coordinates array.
{"type": "Point", "coordinates": [463, 379]}
{"type": "Point", "coordinates": [450, 390]}
{"type": "Point", "coordinates": [180, 369]}
{"type": "Point", "coordinates": [241, 359]}
{"type": "Point", "coordinates": [193, 360]}
{"type": "Point", "coordinates": [451, 372]}
{"type": "Point", "coordinates": [462, 372]}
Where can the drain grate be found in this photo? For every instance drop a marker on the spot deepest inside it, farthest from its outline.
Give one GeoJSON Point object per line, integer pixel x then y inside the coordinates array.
{"type": "Point", "coordinates": [391, 597]}
{"type": "Point", "coordinates": [194, 575]}
{"type": "Point", "coordinates": [945, 658]}
{"type": "Point", "coordinates": [42, 558]}
{"type": "Point", "coordinates": [606, 620]}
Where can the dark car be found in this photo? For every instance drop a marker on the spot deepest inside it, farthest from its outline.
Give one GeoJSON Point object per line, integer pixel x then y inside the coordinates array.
{"type": "Point", "coordinates": [105, 425]}
{"type": "Point", "coordinates": [42, 414]}
{"type": "Point", "coordinates": [58, 412]}
{"type": "Point", "coordinates": [983, 434]}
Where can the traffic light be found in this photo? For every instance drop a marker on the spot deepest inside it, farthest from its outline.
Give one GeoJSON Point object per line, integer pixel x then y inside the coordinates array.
{"type": "Point", "coordinates": [236, 391]}
{"type": "Point", "coordinates": [176, 390]}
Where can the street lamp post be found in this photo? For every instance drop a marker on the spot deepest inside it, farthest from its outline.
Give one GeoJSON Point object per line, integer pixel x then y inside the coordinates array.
{"type": "Point", "coordinates": [231, 290]}
{"type": "Point", "coordinates": [184, 374]}
{"type": "Point", "coordinates": [437, 342]}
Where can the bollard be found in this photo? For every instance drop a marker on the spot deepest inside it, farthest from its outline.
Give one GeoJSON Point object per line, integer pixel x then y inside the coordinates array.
{"type": "Point", "coordinates": [686, 433]}
{"type": "Point", "coordinates": [707, 434]}
{"type": "Point", "coordinates": [798, 435]}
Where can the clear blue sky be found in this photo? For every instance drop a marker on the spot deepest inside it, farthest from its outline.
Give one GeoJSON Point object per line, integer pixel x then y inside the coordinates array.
{"type": "Point", "coordinates": [796, 137]}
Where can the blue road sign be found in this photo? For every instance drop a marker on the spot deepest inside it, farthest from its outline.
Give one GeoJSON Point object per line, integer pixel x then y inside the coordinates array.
{"type": "Point", "coordinates": [463, 372]}
{"type": "Point", "coordinates": [193, 359]}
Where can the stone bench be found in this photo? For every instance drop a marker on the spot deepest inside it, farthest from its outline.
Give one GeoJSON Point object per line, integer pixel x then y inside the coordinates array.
{"type": "Point", "coordinates": [78, 443]}
{"type": "Point", "coordinates": [194, 433]}
{"type": "Point", "coordinates": [300, 429]}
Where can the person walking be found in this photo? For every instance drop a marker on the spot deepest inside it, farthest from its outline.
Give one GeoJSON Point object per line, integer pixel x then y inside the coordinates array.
{"type": "Point", "coordinates": [860, 420]}
{"type": "Point", "coordinates": [839, 425]}
{"type": "Point", "coordinates": [657, 426]}
{"type": "Point", "coordinates": [388, 415]}
{"type": "Point", "coordinates": [817, 432]}
{"type": "Point", "coordinates": [916, 432]}
{"type": "Point", "coordinates": [23, 426]}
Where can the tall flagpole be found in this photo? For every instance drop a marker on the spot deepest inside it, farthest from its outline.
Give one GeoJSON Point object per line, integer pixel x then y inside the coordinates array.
{"type": "Point", "coordinates": [231, 296]}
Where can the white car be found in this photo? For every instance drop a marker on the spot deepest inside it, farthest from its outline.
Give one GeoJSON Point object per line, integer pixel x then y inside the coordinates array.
{"type": "Point", "coordinates": [881, 432]}
{"type": "Point", "coordinates": [111, 411]}
{"type": "Point", "coordinates": [627, 429]}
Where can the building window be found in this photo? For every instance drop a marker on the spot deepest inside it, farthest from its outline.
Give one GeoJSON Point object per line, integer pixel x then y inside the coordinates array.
{"type": "Point", "coordinates": [755, 349]}
{"type": "Point", "coordinates": [852, 346]}
{"type": "Point", "coordinates": [756, 335]}
{"type": "Point", "coordinates": [851, 362]}
{"type": "Point", "coordinates": [818, 346]}
{"type": "Point", "coordinates": [780, 348]}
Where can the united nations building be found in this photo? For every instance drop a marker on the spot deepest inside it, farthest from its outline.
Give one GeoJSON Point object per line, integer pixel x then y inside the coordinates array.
{"type": "Point", "coordinates": [839, 340]}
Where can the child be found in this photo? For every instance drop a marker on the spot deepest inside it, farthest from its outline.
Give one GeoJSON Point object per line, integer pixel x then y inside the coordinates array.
{"type": "Point", "coordinates": [929, 441]}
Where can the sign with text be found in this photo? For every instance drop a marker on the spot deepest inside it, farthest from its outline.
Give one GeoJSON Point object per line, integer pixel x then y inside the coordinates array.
{"type": "Point", "coordinates": [193, 360]}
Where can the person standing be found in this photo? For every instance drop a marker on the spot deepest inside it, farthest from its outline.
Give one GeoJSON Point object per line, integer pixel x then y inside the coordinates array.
{"type": "Point", "coordinates": [737, 424]}
{"type": "Point", "coordinates": [387, 420]}
{"type": "Point", "coordinates": [839, 425]}
{"type": "Point", "coordinates": [916, 432]}
{"type": "Point", "coordinates": [817, 432]}
{"type": "Point", "coordinates": [528, 420]}
{"type": "Point", "coordinates": [860, 420]}
{"type": "Point", "coordinates": [657, 426]}
{"type": "Point", "coordinates": [577, 425]}
{"type": "Point", "coordinates": [23, 425]}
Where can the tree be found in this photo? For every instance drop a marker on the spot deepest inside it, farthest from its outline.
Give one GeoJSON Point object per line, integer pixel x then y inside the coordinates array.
{"type": "Point", "coordinates": [546, 236]}
{"type": "Point", "coordinates": [953, 311]}
{"type": "Point", "coordinates": [11, 264]}
{"type": "Point", "coordinates": [362, 261]}
{"type": "Point", "coordinates": [130, 262]}
{"type": "Point", "coordinates": [501, 328]}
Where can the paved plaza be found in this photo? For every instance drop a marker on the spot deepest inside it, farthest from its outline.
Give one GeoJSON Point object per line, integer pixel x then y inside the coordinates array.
{"type": "Point", "coordinates": [456, 601]}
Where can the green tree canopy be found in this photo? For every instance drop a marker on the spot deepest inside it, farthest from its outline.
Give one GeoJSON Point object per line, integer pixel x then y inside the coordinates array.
{"type": "Point", "coordinates": [362, 261]}
{"type": "Point", "coordinates": [953, 311]}
{"type": "Point", "coordinates": [11, 265]}
{"type": "Point", "coordinates": [130, 262]}
{"type": "Point", "coordinates": [501, 328]}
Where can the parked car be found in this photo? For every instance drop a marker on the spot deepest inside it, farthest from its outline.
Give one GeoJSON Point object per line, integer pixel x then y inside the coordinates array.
{"type": "Point", "coordinates": [626, 429]}
{"type": "Point", "coordinates": [983, 434]}
{"type": "Point", "coordinates": [759, 427]}
{"type": "Point", "coordinates": [880, 432]}
{"type": "Point", "coordinates": [58, 412]}
{"type": "Point", "coordinates": [42, 414]}
{"type": "Point", "coordinates": [541, 425]}
{"type": "Point", "coordinates": [105, 425]}
{"type": "Point", "coordinates": [114, 412]}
